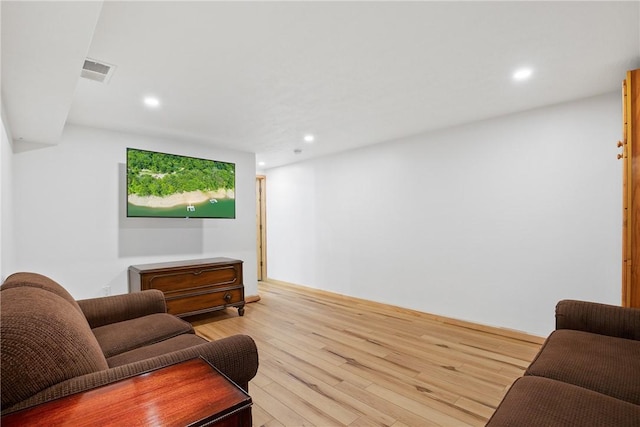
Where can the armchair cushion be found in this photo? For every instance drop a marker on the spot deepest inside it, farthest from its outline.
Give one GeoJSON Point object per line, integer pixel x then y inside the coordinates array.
{"type": "Point", "coordinates": [117, 308]}
{"type": "Point", "coordinates": [128, 335]}
{"type": "Point", "coordinates": [179, 342]}
{"type": "Point", "coordinates": [597, 362]}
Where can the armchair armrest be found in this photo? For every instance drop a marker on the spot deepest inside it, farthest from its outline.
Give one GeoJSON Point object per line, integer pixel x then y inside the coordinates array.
{"type": "Point", "coordinates": [603, 319]}
{"type": "Point", "coordinates": [235, 356]}
{"type": "Point", "coordinates": [118, 308]}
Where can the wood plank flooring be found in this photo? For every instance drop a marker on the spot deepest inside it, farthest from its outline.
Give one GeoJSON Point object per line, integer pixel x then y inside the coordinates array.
{"type": "Point", "coordinates": [329, 360]}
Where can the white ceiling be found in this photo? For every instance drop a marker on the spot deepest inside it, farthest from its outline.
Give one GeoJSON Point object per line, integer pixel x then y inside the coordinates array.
{"type": "Point", "coordinates": [258, 76]}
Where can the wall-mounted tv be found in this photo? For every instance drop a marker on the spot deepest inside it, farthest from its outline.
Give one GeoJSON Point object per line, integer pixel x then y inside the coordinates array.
{"type": "Point", "coordinates": [173, 186]}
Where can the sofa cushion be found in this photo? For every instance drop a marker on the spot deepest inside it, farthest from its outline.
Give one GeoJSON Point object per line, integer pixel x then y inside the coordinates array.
{"type": "Point", "coordinates": [600, 363]}
{"type": "Point", "coordinates": [44, 341]}
{"type": "Point", "coordinates": [158, 349]}
{"type": "Point", "coordinates": [40, 281]}
{"type": "Point", "coordinates": [538, 401]}
{"type": "Point", "coordinates": [121, 337]}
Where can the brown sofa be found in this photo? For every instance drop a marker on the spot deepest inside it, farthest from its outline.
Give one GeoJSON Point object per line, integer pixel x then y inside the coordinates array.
{"type": "Point", "coordinates": [587, 372]}
{"type": "Point", "coordinates": [52, 345]}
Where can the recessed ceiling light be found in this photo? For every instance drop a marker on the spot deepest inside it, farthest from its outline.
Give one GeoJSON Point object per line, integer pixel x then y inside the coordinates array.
{"type": "Point", "coordinates": [151, 101]}
{"type": "Point", "coordinates": [309, 138]}
{"type": "Point", "coordinates": [522, 74]}
{"type": "Point", "coordinates": [261, 163]}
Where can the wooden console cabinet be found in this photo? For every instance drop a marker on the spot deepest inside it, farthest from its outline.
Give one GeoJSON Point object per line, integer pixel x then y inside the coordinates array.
{"type": "Point", "coordinates": [193, 286]}
{"type": "Point", "coordinates": [190, 393]}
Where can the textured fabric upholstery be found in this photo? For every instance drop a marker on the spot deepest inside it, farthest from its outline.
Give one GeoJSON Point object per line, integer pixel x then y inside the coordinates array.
{"type": "Point", "coordinates": [118, 308]}
{"type": "Point", "coordinates": [597, 362]}
{"type": "Point", "coordinates": [44, 341]}
{"type": "Point", "coordinates": [36, 280]}
{"type": "Point", "coordinates": [542, 402]}
{"type": "Point", "coordinates": [121, 337]}
{"type": "Point", "coordinates": [587, 372]}
{"type": "Point", "coordinates": [598, 318]}
{"type": "Point", "coordinates": [179, 342]}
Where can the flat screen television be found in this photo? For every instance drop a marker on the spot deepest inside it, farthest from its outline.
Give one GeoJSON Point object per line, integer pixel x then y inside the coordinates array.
{"type": "Point", "coordinates": [173, 186]}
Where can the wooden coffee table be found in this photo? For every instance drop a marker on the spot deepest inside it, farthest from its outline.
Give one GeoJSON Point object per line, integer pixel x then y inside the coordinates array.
{"type": "Point", "coordinates": [190, 393]}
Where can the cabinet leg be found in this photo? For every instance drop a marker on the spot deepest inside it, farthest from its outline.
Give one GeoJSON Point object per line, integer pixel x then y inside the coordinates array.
{"type": "Point", "coordinates": [241, 311]}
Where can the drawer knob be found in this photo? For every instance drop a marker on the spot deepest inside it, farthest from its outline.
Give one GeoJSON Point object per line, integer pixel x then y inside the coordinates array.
{"type": "Point", "coordinates": [227, 297]}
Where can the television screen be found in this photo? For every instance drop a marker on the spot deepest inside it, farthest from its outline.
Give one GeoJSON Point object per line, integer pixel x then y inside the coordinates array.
{"type": "Point", "coordinates": [172, 186]}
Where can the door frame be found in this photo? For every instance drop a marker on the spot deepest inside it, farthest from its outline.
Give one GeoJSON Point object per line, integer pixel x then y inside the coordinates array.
{"type": "Point", "coordinates": [261, 226]}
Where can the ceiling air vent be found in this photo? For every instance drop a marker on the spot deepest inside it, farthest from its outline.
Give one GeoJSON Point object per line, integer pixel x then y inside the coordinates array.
{"type": "Point", "coordinates": [97, 71]}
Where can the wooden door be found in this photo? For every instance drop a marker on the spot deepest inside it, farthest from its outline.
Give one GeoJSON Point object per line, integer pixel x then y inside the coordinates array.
{"type": "Point", "coordinates": [631, 190]}
{"type": "Point", "coordinates": [261, 227]}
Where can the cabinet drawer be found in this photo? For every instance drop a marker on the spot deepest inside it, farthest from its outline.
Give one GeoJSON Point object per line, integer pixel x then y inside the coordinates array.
{"type": "Point", "coordinates": [204, 302]}
{"type": "Point", "coordinates": [201, 278]}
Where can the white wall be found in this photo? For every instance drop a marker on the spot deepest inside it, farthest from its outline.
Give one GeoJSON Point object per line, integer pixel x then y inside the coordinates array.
{"type": "Point", "coordinates": [70, 221]}
{"type": "Point", "coordinates": [6, 222]}
{"type": "Point", "coordinates": [492, 222]}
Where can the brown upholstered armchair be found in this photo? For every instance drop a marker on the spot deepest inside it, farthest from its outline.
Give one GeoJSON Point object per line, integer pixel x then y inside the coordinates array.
{"type": "Point", "coordinates": [52, 345]}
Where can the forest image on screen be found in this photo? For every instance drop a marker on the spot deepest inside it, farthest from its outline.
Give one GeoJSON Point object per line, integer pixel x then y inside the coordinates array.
{"type": "Point", "coordinates": [169, 185]}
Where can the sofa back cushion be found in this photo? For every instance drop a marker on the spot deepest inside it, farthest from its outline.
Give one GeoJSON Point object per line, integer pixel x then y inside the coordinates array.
{"type": "Point", "coordinates": [40, 281]}
{"type": "Point", "coordinates": [44, 340]}
{"type": "Point", "coordinates": [601, 363]}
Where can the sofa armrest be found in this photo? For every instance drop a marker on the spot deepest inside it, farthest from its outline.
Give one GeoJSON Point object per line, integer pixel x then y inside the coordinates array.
{"type": "Point", "coordinates": [603, 319]}
{"type": "Point", "coordinates": [117, 308]}
{"type": "Point", "coordinates": [235, 356]}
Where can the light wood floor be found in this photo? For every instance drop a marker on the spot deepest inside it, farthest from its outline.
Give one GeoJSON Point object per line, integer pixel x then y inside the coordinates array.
{"type": "Point", "coordinates": [327, 360]}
